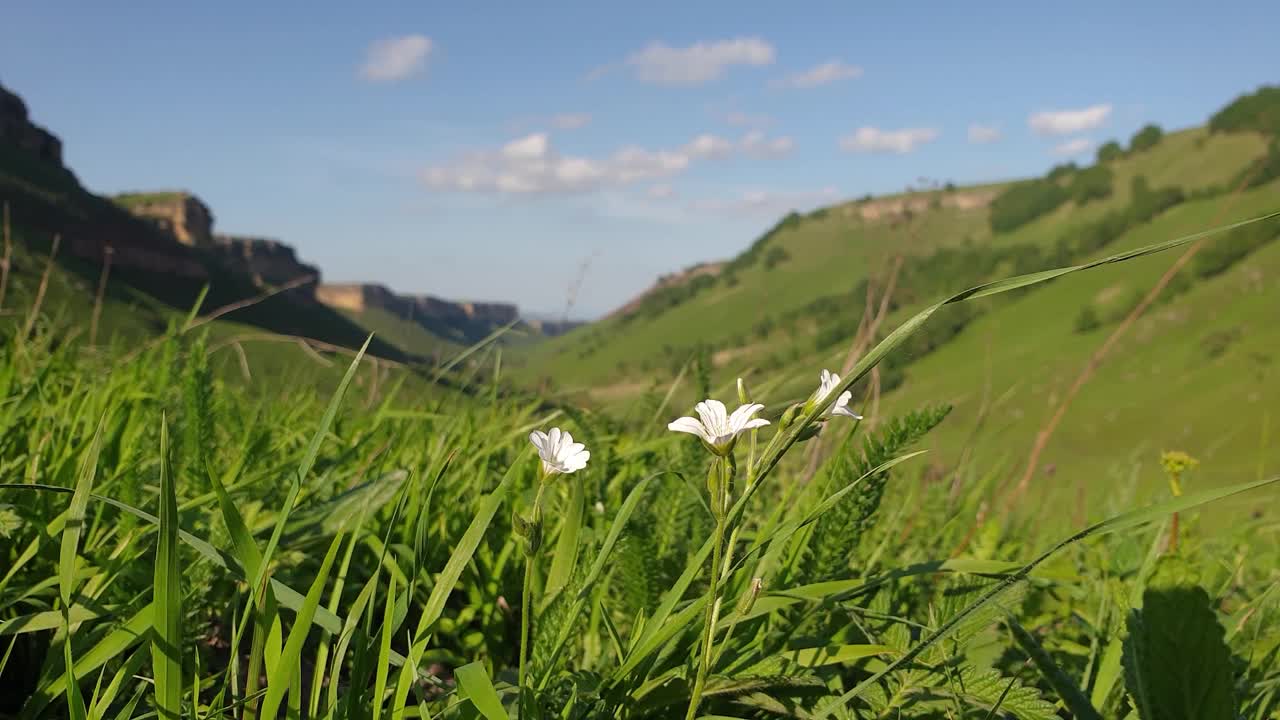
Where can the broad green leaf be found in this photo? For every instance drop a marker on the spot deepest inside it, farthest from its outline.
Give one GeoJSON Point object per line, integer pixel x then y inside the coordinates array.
{"type": "Point", "coordinates": [566, 552]}
{"type": "Point", "coordinates": [1177, 665]}
{"type": "Point", "coordinates": [474, 684]}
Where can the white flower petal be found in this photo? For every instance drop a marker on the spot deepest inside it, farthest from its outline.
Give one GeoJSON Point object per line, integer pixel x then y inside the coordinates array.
{"type": "Point", "coordinates": [553, 438]}
{"type": "Point", "coordinates": [713, 416]}
{"type": "Point", "coordinates": [577, 461]}
{"type": "Point", "coordinates": [742, 415]}
{"type": "Point", "coordinates": [753, 424]}
{"type": "Point", "coordinates": [539, 440]}
{"type": "Point", "coordinates": [687, 425]}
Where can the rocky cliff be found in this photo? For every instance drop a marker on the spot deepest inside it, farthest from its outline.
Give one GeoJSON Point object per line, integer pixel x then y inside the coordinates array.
{"type": "Point", "coordinates": [462, 321]}
{"type": "Point", "coordinates": [17, 130]}
{"type": "Point", "coordinates": [269, 262]}
{"type": "Point", "coordinates": [178, 213]}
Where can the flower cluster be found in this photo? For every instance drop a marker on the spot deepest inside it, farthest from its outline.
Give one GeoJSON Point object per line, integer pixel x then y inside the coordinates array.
{"type": "Point", "coordinates": [715, 426]}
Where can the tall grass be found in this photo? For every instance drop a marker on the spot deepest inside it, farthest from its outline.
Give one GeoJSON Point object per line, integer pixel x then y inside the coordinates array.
{"type": "Point", "coordinates": [173, 546]}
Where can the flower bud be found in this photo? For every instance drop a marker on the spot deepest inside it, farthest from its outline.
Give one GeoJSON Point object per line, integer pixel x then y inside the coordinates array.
{"type": "Point", "coordinates": [788, 417]}
{"type": "Point", "coordinates": [518, 524]}
{"type": "Point", "coordinates": [748, 598]}
{"type": "Point", "coordinates": [744, 397]}
{"type": "Point", "coordinates": [530, 531]}
{"type": "Point", "coordinates": [810, 432]}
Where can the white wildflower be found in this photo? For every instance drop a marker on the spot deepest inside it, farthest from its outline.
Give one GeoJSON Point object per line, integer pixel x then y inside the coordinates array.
{"type": "Point", "coordinates": [829, 382]}
{"type": "Point", "coordinates": [559, 453]}
{"type": "Point", "coordinates": [717, 428]}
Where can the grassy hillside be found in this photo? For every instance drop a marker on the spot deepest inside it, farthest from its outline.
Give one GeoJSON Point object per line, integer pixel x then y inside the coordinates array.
{"type": "Point", "coordinates": [1005, 363]}
{"type": "Point", "coordinates": [410, 336]}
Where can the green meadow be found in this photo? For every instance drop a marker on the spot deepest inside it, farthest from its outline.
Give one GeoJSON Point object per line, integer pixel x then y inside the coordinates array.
{"type": "Point", "coordinates": [265, 511]}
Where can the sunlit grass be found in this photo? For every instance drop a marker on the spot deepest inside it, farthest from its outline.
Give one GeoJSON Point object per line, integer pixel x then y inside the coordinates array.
{"type": "Point", "coordinates": [173, 545]}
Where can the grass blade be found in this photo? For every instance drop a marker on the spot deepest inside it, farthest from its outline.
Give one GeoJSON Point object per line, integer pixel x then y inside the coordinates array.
{"type": "Point", "coordinates": [287, 666]}
{"type": "Point", "coordinates": [461, 556]}
{"type": "Point", "coordinates": [384, 647]}
{"type": "Point", "coordinates": [166, 633]}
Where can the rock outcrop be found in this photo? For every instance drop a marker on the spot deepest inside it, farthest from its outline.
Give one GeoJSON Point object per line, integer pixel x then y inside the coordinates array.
{"type": "Point", "coordinates": [17, 130]}
{"type": "Point", "coordinates": [551, 328]}
{"type": "Point", "coordinates": [269, 262]}
{"type": "Point", "coordinates": [178, 213]}
{"type": "Point", "coordinates": [897, 206]}
{"type": "Point", "coordinates": [464, 321]}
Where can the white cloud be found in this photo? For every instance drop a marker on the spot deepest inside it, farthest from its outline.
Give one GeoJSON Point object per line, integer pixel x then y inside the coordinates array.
{"type": "Point", "coordinates": [531, 164]}
{"type": "Point", "coordinates": [570, 121]}
{"type": "Point", "coordinates": [1073, 147]}
{"type": "Point", "coordinates": [742, 119]}
{"type": "Point", "coordinates": [396, 58]}
{"type": "Point", "coordinates": [697, 64]}
{"type": "Point", "coordinates": [1066, 122]}
{"type": "Point", "coordinates": [661, 191]}
{"type": "Point", "coordinates": [827, 72]}
{"type": "Point", "coordinates": [983, 134]}
{"type": "Point", "coordinates": [756, 144]}
{"type": "Point", "coordinates": [768, 202]}
{"type": "Point", "coordinates": [708, 146]}
{"type": "Point", "coordinates": [870, 139]}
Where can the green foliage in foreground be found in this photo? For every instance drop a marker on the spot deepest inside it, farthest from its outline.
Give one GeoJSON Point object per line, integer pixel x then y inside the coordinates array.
{"type": "Point", "coordinates": [184, 549]}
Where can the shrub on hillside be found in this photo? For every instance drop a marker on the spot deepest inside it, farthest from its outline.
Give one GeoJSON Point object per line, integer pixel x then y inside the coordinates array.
{"type": "Point", "coordinates": [747, 259]}
{"type": "Point", "coordinates": [1091, 184]}
{"type": "Point", "coordinates": [1087, 320]}
{"type": "Point", "coordinates": [1264, 169]}
{"type": "Point", "coordinates": [1061, 171]}
{"type": "Point", "coordinates": [1024, 202]}
{"type": "Point", "coordinates": [1147, 203]}
{"type": "Point", "coordinates": [1146, 138]}
{"type": "Point", "coordinates": [775, 257]}
{"type": "Point", "coordinates": [1110, 151]}
{"type": "Point", "coordinates": [1258, 111]}
{"type": "Point", "coordinates": [1144, 205]}
{"type": "Point", "coordinates": [1229, 249]}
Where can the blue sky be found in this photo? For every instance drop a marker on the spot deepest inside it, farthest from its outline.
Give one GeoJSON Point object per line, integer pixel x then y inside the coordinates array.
{"type": "Point", "coordinates": [517, 151]}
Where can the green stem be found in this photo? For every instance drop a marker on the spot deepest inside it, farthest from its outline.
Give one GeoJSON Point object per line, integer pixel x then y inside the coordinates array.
{"type": "Point", "coordinates": [713, 600]}
{"type": "Point", "coordinates": [526, 591]}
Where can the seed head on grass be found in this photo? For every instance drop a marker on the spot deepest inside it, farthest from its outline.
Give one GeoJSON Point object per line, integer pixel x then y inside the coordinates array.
{"type": "Point", "coordinates": [716, 427]}
{"type": "Point", "coordinates": [559, 453]}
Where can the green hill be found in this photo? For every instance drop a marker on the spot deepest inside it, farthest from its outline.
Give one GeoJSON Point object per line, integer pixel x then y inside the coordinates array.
{"type": "Point", "coordinates": [1197, 372]}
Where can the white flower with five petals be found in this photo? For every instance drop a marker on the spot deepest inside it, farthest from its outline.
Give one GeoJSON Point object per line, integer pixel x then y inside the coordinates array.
{"type": "Point", "coordinates": [559, 453]}
{"type": "Point", "coordinates": [829, 381]}
{"type": "Point", "coordinates": [716, 427]}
